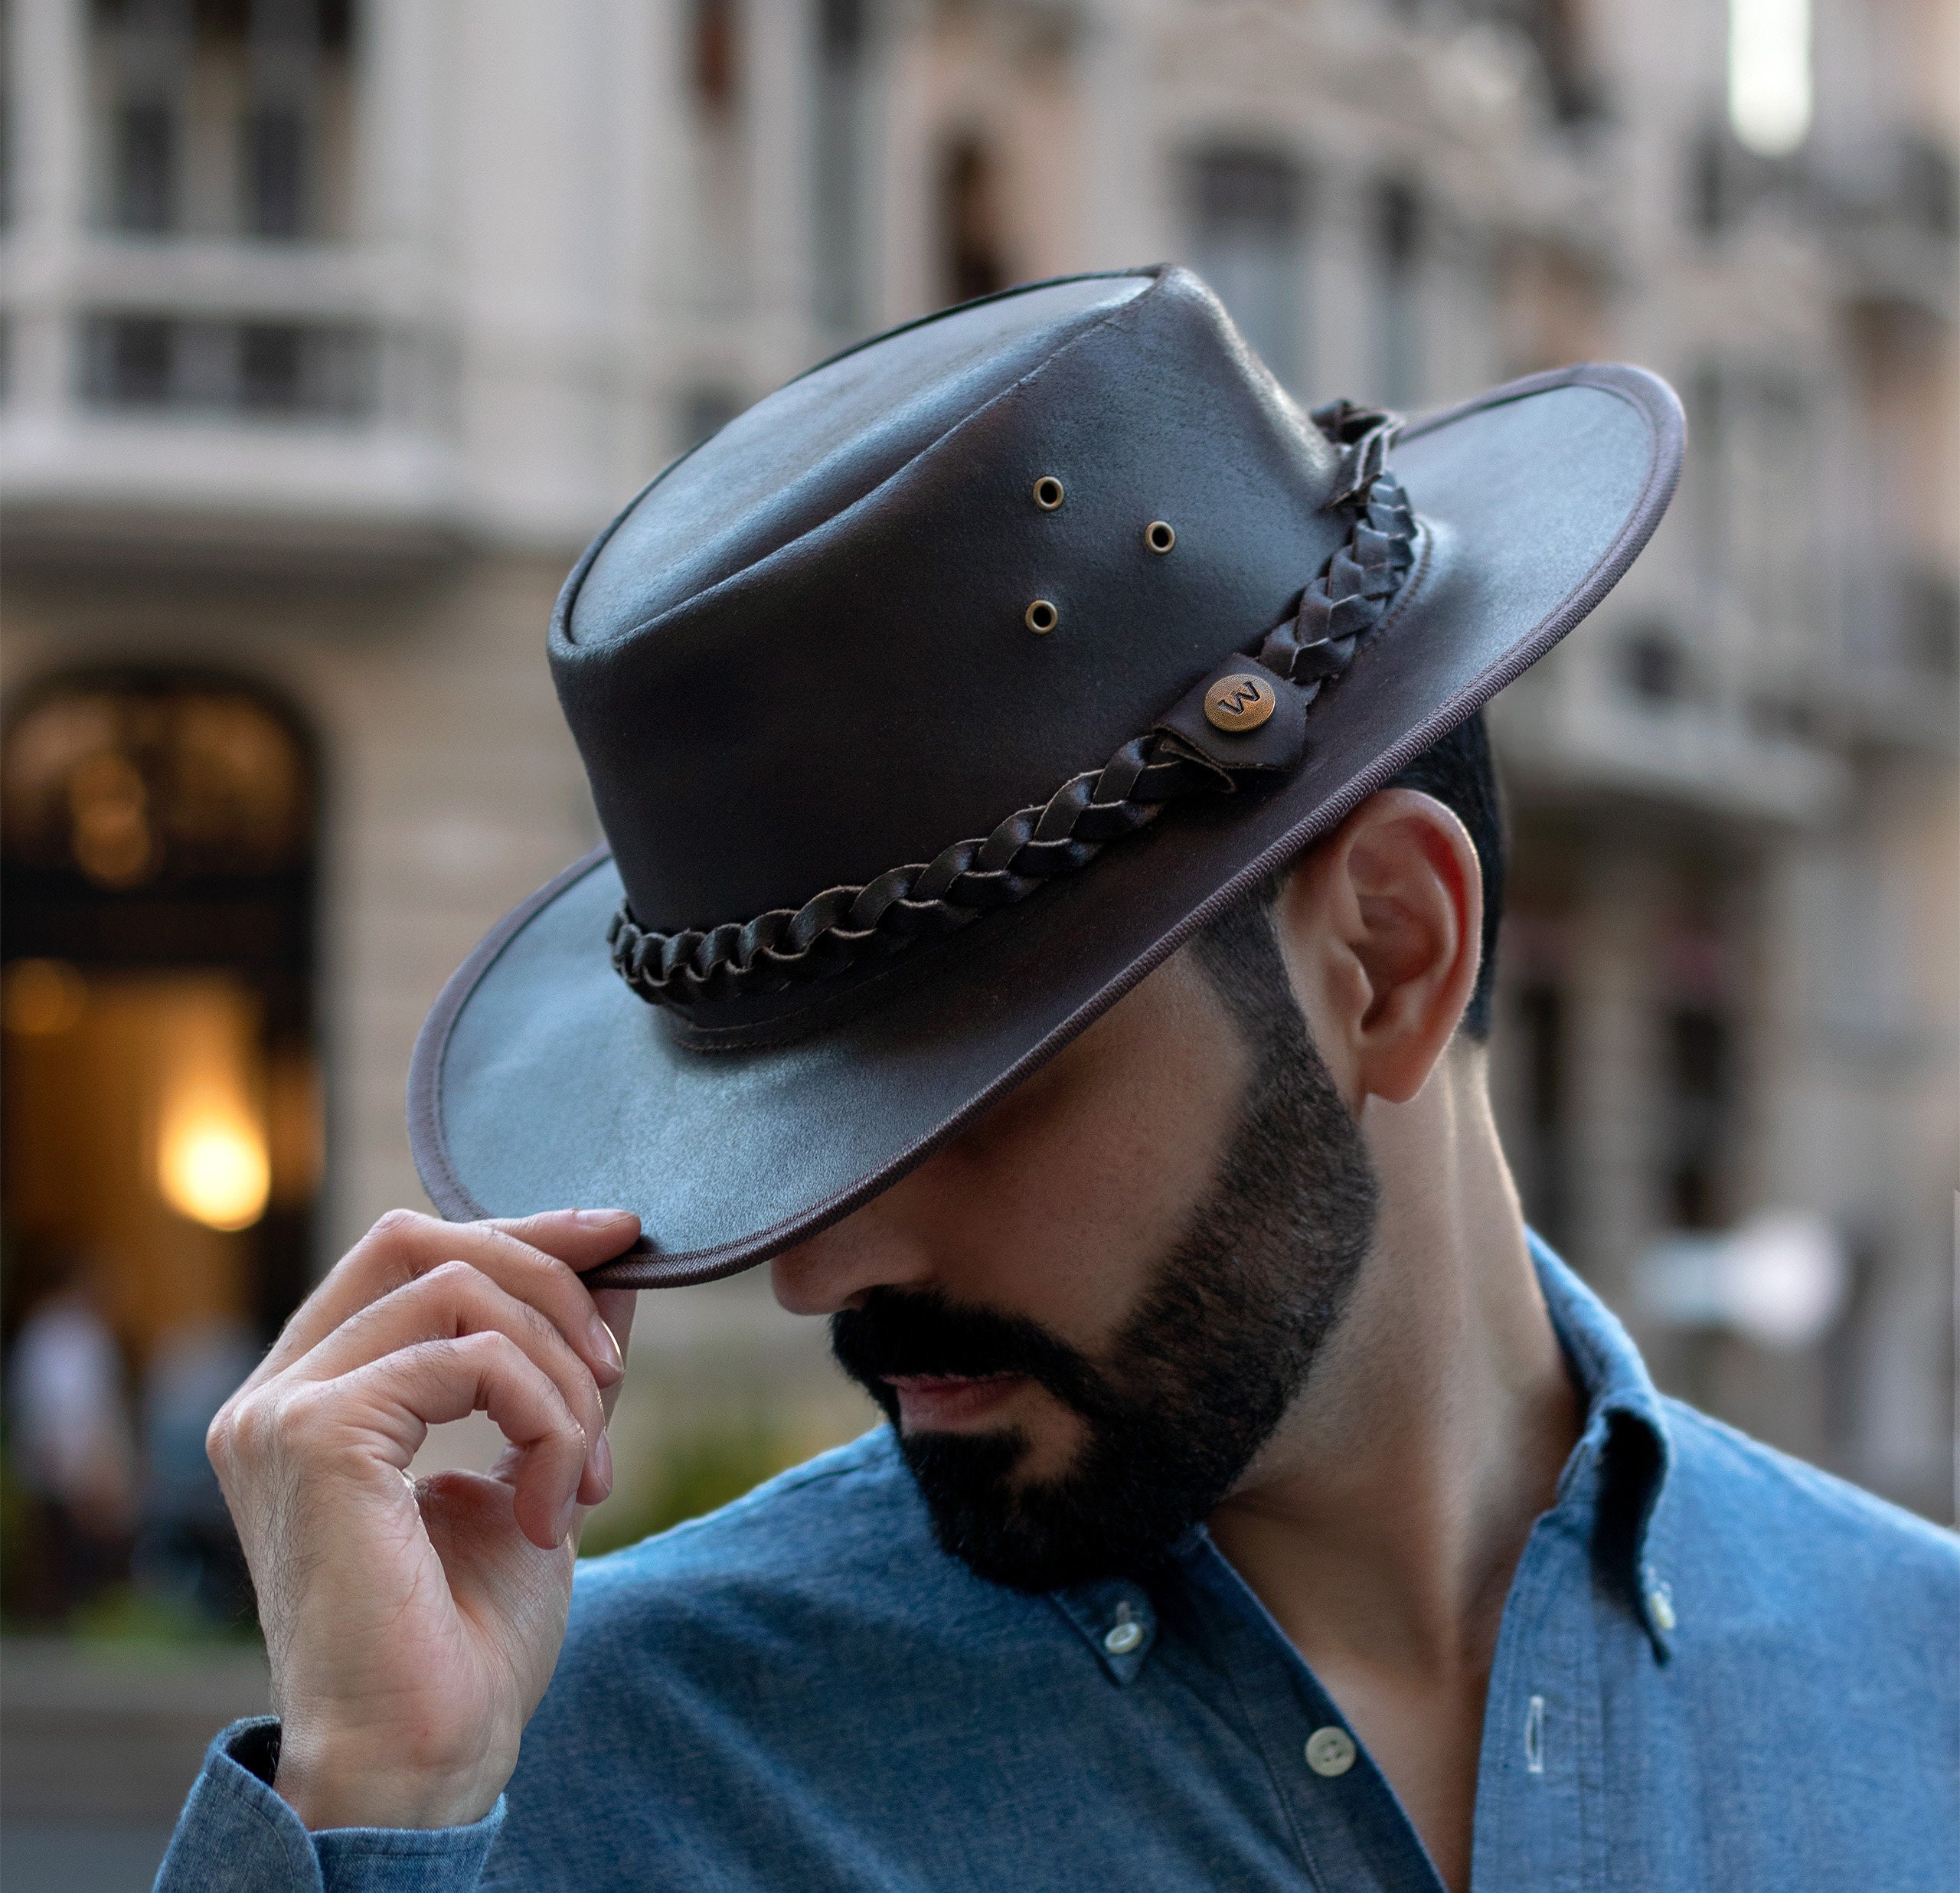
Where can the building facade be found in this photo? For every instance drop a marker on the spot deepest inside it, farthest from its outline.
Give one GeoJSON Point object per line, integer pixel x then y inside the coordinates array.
{"type": "Point", "coordinates": [335, 328]}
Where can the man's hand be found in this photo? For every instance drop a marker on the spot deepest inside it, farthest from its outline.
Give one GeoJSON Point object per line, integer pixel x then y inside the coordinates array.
{"type": "Point", "coordinates": [413, 1629]}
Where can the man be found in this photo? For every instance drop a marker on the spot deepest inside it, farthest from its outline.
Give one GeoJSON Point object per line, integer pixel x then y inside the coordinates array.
{"type": "Point", "coordinates": [68, 1436]}
{"type": "Point", "coordinates": [1262, 1506]}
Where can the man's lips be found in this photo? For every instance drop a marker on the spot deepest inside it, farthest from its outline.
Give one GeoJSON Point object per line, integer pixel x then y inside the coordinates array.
{"type": "Point", "coordinates": [930, 1403]}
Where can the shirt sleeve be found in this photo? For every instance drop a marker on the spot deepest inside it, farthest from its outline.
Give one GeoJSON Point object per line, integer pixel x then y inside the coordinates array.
{"type": "Point", "coordinates": [236, 1836]}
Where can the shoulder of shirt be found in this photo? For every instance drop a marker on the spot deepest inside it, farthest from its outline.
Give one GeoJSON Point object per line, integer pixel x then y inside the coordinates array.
{"type": "Point", "coordinates": [1767, 1503]}
{"type": "Point", "coordinates": [852, 1506]}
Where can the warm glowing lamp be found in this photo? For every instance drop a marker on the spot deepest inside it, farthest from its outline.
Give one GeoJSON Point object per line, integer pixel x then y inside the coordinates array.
{"type": "Point", "coordinates": [211, 1163]}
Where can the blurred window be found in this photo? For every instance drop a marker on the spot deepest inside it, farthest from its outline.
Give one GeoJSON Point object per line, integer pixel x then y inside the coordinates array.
{"type": "Point", "coordinates": [1698, 1124]}
{"type": "Point", "coordinates": [1398, 256]}
{"type": "Point", "coordinates": [272, 368]}
{"type": "Point", "coordinates": [161, 1099]}
{"type": "Point", "coordinates": [130, 361]}
{"type": "Point", "coordinates": [222, 117]}
{"type": "Point", "coordinates": [718, 47]}
{"type": "Point", "coordinates": [275, 172]}
{"type": "Point", "coordinates": [1726, 182]}
{"type": "Point", "coordinates": [6, 114]}
{"type": "Point", "coordinates": [838, 221]}
{"type": "Point", "coordinates": [1928, 193]}
{"type": "Point", "coordinates": [1754, 510]}
{"type": "Point", "coordinates": [1248, 212]}
{"type": "Point", "coordinates": [1708, 181]}
{"type": "Point", "coordinates": [1929, 623]}
{"type": "Point", "coordinates": [1654, 666]}
{"type": "Point", "coordinates": [1544, 1161]}
{"type": "Point", "coordinates": [144, 189]}
{"type": "Point", "coordinates": [1556, 31]}
{"type": "Point", "coordinates": [295, 370]}
{"type": "Point", "coordinates": [973, 263]}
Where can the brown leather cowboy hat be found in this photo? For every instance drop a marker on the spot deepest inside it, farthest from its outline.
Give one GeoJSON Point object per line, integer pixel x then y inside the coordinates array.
{"type": "Point", "coordinates": [939, 697]}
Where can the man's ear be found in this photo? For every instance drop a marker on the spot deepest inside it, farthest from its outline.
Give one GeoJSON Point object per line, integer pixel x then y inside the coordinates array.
{"type": "Point", "coordinates": [1381, 925]}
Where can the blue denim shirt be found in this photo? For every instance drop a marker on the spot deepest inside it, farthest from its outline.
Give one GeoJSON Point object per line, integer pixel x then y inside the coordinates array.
{"type": "Point", "coordinates": [1718, 1670]}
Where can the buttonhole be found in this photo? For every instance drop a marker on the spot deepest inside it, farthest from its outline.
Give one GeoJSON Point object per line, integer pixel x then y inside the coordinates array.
{"type": "Point", "coordinates": [1535, 1737]}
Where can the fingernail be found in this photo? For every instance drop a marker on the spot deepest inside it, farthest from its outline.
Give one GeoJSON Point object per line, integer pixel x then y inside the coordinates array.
{"type": "Point", "coordinates": [612, 1364]}
{"type": "Point", "coordinates": [567, 1517]}
{"type": "Point", "coordinates": [602, 1462]}
{"type": "Point", "coordinates": [599, 1218]}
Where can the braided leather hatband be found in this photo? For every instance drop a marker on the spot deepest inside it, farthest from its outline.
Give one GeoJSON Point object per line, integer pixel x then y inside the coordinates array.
{"type": "Point", "coordinates": [844, 926]}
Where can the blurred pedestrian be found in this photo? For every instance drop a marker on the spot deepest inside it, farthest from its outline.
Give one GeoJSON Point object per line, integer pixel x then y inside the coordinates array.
{"type": "Point", "coordinates": [69, 1440]}
{"type": "Point", "coordinates": [187, 1552]}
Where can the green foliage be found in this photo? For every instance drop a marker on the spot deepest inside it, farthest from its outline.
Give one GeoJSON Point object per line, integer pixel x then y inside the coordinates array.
{"type": "Point", "coordinates": [704, 1470]}
{"type": "Point", "coordinates": [127, 1617]}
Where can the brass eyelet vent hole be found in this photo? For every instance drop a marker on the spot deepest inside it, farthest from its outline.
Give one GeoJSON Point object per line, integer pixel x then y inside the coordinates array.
{"type": "Point", "coordinates": [1042, 617]}
{"type": "Point", "coordinates": [1047, 492]}
{"type": "Point", "coordinates": [1158, 536]}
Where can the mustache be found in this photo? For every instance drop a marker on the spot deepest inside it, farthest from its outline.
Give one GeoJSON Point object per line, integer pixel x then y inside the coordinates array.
{"type": "Point", "coordinates": [899, 1333]}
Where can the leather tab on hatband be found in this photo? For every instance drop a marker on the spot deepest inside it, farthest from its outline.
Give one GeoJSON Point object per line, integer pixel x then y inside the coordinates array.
{"type": "Point", "coordinates": [1276, 745]}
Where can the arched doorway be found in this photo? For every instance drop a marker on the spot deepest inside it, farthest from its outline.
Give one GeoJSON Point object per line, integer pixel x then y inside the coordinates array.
{"type": "Point", "coordinates": [161, 1096]}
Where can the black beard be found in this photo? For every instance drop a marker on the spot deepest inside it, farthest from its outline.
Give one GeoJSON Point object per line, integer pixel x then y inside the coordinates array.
{"type": "Point", "coordinates": [1195, 1383]}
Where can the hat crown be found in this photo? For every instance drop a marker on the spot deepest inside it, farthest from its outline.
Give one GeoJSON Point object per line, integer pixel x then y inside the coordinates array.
{"type": "Point", "coordinates": [801, 455]}
{"type": "Point", "coordinates": [806, 654]}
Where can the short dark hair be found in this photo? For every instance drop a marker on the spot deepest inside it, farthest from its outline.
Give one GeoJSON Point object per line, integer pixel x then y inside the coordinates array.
{"type": "Point", "coordinates": [1460, 772]}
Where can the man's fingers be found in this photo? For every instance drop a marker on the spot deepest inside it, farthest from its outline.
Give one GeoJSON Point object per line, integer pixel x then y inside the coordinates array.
{"type": "Point", "coordinates": [403, 1246]}
{"type": "Point", "coordinates": [436, 1381]}
{"type": "Point", "coordinates": [581, 1238]}
{"type": "Point", "coordinates": [615, 1308]}
{"type": "Point", "coordinates": [448, 1303]}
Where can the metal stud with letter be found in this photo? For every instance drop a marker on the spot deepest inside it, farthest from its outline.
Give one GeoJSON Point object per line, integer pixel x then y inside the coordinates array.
{"type": "Point", "coordinates": [1239, 702]}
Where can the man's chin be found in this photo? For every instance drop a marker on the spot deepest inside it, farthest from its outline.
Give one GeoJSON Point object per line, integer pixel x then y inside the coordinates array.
{"type": "Point", "coordinates": [1026, 1535]}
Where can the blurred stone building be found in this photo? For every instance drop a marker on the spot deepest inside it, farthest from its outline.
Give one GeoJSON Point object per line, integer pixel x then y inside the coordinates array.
{"type": "Point", "coordinates": [333, 329]}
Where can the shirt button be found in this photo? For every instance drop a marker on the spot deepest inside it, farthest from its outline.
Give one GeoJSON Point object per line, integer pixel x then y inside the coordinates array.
{"type": "Point", "coordinates": [1330, 1751]}
{"type": "Point", "coordinates": [1123, 1638]}
{"type": "Point", "coordinates": [1661, 1601]}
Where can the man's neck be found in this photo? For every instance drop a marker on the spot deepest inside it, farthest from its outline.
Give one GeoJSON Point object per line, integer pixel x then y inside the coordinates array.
{"type": "Point", "coordinates": [1383, 1522]}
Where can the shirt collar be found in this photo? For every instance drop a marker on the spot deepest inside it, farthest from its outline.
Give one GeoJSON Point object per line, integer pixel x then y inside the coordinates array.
{"type": "Point", "coordinates": [1620, 1467]}
{"type": "Point", "coordinates": [1618, 1470]}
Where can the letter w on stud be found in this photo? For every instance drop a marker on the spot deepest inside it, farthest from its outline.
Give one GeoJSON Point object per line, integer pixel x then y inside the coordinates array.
{"type": "Point", "coordinates": [1239, 702]}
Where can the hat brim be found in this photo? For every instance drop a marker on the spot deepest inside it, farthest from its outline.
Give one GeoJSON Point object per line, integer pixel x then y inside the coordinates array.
{"type": "Point", "coordinates": [540, 1081]}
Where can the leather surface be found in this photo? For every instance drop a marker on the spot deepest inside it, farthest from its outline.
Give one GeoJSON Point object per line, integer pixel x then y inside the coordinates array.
{"type": "Point", "coordinates": [541, 1080]}
{"type": "Point", "coordinates": [807, 721]}
{"type": "Point", "coordinates": [845, 931]}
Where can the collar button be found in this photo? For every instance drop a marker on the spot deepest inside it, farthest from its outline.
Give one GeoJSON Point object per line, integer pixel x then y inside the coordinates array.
{"type": "Point", "coordinates": [1329, 1752]}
